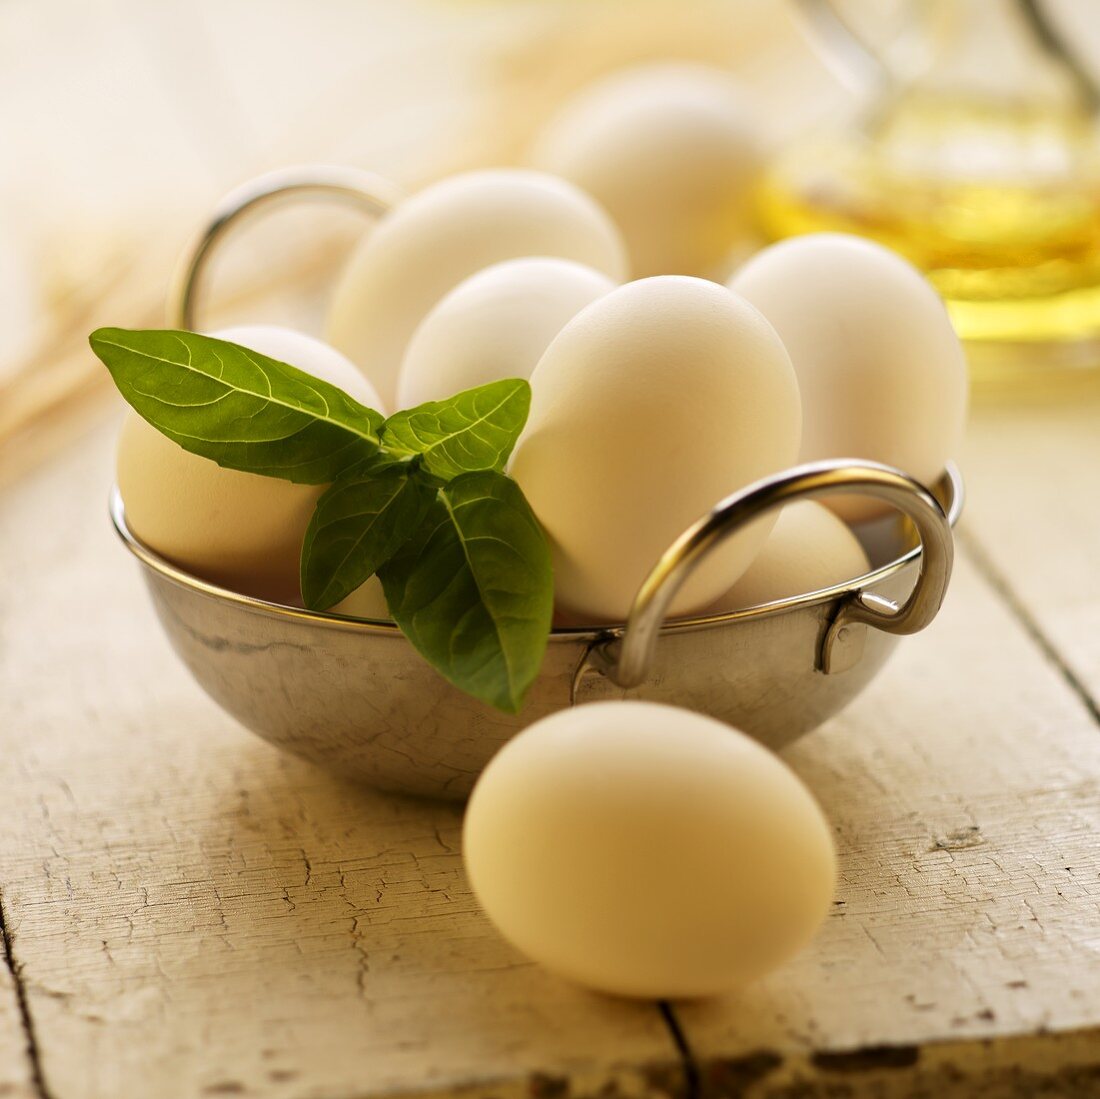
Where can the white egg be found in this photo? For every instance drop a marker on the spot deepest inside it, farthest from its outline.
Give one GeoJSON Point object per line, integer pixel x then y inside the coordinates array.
{"type": "Point", "coordinates": [239, 530]}
{"type": "Point", "coordinates": [495, 325]}
{"type": "Point", "coordinates": [671, 152]}
{"type": "Point", "coordinates": [648, 851]}
{"type": "Point", "coordinates": [650, 406]}
{"type": "Point", "coordinates": [881, 370]}
{"type": "Point", "coordinates": [808, 549]}
{"type": "Point", "coordinates": [367, 601]}
{"type": "Point", "coordinates": [432, 241]}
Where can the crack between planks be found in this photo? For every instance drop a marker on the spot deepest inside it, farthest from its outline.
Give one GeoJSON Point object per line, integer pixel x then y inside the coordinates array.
{"type": "Point", "coordinates": [688, 1064]}
{"type": "Point", "coordinates": [38, 1081]}
{"type": "Point", "coordinates": [998, 581]}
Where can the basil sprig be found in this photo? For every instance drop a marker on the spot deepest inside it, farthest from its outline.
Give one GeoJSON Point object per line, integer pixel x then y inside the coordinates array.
{"type": "Point", "coordinates": [367, 514]}
{"type": "Point", "coordinates": [237, 407]}
{"type": "Point", "coordinates": [473, 430]}
{"type": "Point", "coordinates": [473, 588]}
{"type": "Point", "coordinates": [421, 499]}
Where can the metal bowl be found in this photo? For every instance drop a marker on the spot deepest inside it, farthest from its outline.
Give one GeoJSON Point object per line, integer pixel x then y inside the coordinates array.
{"type": "Point", "coordinates": [355, 697]}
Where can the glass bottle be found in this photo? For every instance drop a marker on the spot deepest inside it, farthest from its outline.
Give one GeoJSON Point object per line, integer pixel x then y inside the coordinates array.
{"type": "Point", "coordinates": [983, 168]}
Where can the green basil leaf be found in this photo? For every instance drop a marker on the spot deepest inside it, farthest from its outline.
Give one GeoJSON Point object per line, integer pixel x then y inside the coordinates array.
{"type": "Point", "coordinates": [474, 591]}
{"type": "Point", "coordinates": [360, 522]}
{"type": "Point", "coordinates": [474, 430]}
{"type": "Point", "coordinates": [237, 407]}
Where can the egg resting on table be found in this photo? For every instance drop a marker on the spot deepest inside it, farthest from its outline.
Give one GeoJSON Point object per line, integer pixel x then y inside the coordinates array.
{"type": "Point", "coordinates": [882, 373]}
{"type": "Point", "coordinates": [432, 241]}
{"type": "Point", "coordinates": [645, 850]}
{"type": "Point", "coordinates": [651, 405]}
{"type": "Point", "coordinates": [496, 324]}
{"type": "Point", "coordinates": [671, 152]}
{"type": "Point", "coordinates": [239, 530]}
{"type": "Point", "coordinates": [809, 548]}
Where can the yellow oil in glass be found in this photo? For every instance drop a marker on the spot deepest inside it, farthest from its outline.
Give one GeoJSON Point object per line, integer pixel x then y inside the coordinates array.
{"type": "Point", "coordinates": [998, 204]}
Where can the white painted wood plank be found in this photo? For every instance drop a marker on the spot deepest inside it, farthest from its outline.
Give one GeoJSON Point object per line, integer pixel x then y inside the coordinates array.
{"type": "Point", "coordinates": [193, 909]}
{"type": "Point", "coordinates": [16, 1074]}
{"type": "Point", "coordinates": [197, 915]}
{"type": "Point", "coordinates": [1033, 471]}
{"type": "Point", "coordinates": [964, 787]}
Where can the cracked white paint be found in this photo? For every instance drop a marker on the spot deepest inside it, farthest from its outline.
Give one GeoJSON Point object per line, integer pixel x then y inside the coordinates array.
{"type": "Point", "coordinates": [928, 942]}
{"type": "Point", "coordinates": [191, 908]}
{"type": "Point", "coordinates": [15, 1063]}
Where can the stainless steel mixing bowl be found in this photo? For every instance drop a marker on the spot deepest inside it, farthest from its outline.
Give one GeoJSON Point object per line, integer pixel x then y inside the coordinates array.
{"type": "Point", "coordinates": [355, 697]}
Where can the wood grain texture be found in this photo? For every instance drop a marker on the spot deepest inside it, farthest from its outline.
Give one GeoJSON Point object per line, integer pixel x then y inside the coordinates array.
{"type": "Point", "coordinates": [195, 914]}
{"type": "Point", "coordinates": [191, 914]}
{"type": "Point", "coordinates": [16, 1068]}
{"type": "Point", "coordinates": [1033, 472]}
{"type": "Point", "coordinates": [964, 787]}
{"type": "Point", "coordinates": [968, 809]}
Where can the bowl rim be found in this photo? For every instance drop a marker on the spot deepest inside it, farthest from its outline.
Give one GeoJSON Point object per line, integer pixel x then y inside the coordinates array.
{"type": "Point", "coordinates": [948, 490]}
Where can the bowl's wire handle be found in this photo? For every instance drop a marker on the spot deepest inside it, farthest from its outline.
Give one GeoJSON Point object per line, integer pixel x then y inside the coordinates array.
{"type": "Point", "coordinates": [629, 666]}
{"type": "Point", "coordinates": [372, 193]}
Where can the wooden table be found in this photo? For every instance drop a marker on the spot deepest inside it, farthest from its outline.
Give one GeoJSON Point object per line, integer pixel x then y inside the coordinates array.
{"type": "Point", "coordinates": [189, 913]}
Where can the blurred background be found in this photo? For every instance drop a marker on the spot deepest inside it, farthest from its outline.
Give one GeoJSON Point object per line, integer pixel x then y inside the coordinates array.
{"type": "Point", "coordinates": [122, 123]}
